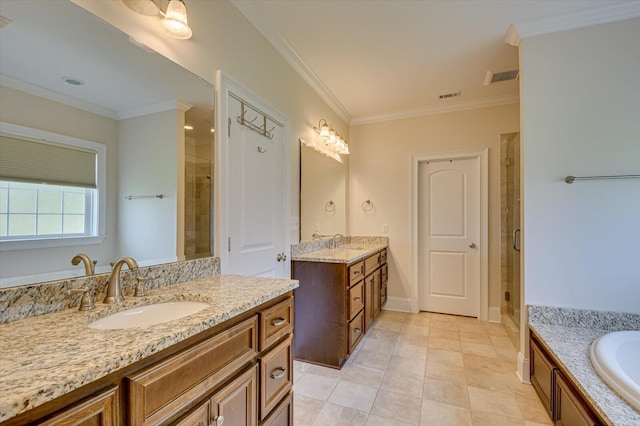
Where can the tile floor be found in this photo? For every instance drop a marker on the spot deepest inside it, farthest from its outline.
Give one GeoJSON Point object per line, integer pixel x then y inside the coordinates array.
{"type": "Point", "coordinates": [420, 369]}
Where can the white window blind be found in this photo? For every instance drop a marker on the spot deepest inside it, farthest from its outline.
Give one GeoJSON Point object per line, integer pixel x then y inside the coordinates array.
{"type": "Point", "coordinates": [29, 160]}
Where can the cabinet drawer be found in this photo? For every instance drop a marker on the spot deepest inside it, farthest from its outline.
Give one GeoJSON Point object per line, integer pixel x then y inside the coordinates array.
{"type": "Point", "coordinates": [383, 257]}
{"type": "Point", "coordinates": [356, 299]}
{"type": "Point", "coordinates": [356, 330]}
{"type": "Point", "coordinates": [157, 393]}
{"type": "Point", "coordinates": [371, 263]}
{"type": "Point", "coordinates": [99, 409]}
{"type": "Point", "coordinates": [282, 415]}
{"type": "Point", "coordinates": [356, 272]}
{"type": "Point", "coordinates": [385, 273]}
{"type": "Point", "coordinates": [275, 323]}
{"type": "Point", "coordinates": [276, 376]}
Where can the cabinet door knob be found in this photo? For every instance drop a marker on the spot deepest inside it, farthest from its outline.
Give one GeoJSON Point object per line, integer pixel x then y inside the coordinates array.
{"type": "Point", "coordinates": [357, 299]}
{"type": "Point", "coordinates": [472, 245]}
{"type": "Point", "coordinates": [357, 330]}
{"type": "Point", "coordinates": [276, 322]}
{"type": "Point", "coordinates": [278, 373]}
{"type": "Point", "coordinates": [217, 421]}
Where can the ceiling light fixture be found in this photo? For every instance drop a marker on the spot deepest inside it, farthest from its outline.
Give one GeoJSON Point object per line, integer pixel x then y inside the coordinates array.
{"type": "Point", "coordinates": [333, 143]}
{"type": "Point", "coordinates": [174, 21]}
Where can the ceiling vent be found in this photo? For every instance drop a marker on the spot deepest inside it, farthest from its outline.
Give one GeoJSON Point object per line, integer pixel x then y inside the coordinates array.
{"type": "Point", "coordinates": [508, 74]}
{"type": "Point", "coordinates": [450, 95]}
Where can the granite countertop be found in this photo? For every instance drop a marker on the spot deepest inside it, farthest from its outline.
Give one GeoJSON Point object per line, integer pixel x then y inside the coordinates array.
{"type": "Point", "coordinates": [570, 343]}
{"type": "Point", "coordinates": [347, 253]}
{"type": "Point", "coordinates": [43, 357]}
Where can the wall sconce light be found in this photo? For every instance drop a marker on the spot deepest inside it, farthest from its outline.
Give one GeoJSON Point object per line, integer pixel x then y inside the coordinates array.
{"type": "Point", "coordinates": [333, 142]}
{"type": "Point", "coordinates": [174, 21]}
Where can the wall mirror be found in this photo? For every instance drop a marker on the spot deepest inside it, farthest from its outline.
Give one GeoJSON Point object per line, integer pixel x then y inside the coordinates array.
{"type": "Point", "coordinates": [323, 194]}
{"type": "Point", "coordinates": [64, 71]}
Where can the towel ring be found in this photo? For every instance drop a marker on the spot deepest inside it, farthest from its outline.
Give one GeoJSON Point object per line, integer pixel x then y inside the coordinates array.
{"type": "Point", "coordinates": [330, 206]}
{"type": "Point", "coordinates": [367, 205]}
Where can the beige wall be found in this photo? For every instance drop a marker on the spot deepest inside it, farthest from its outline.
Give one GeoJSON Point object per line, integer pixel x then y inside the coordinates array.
{"type": "Point", "coordinates": [581, 110]}
{"type": "Point", "coordinates": [224, 39]}
{"type": "Point", "coordinates": [380, 170]}
{"type": "Point", "coordinates": [27, 110]}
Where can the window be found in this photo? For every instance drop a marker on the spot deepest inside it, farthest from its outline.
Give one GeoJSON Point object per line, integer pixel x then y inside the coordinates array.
{"type": "Point", "coordinates": [52, 189]}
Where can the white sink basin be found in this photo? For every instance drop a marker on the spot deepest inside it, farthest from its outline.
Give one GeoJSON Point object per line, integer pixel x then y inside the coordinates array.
{"type": "Point", "coordinates": [142, 316]}
{"type": "Point", "coordinates": [615, 357]}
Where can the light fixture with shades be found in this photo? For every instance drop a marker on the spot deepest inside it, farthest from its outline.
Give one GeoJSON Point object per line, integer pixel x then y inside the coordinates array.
{"type": "Point", "coordinates": [174, 20]}
{"type": "Point", "coordinates": [332, 143]}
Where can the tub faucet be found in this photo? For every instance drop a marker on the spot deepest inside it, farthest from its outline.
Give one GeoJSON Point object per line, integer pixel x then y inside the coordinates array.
{"type": "Point", "coordinates": [89, 266]}
{"type": "Point", "coordinates": [114, 289]}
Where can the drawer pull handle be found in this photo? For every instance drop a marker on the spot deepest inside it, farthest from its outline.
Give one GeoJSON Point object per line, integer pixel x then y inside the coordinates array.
{"type": "Point", "coordinates": [217, 421]}
{"type": "Point", "coordinates": [278, 373]}
{"type": "Point", "coordinates": [357, 330]}
{"type": "Point", "coordinates": [276, 322]}
{"type": "Point", "coordinates": [357, 299]}
{"type": "Point", "coordinates": [357, 272]}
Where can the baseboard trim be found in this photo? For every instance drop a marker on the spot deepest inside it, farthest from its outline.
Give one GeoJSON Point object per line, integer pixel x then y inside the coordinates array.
{"type": "Point", "coordinates": [399, 304]}
{"type": "Point", "coordinates": [523, 372]}
{"type": "Point", "coordinates": [495, 315]}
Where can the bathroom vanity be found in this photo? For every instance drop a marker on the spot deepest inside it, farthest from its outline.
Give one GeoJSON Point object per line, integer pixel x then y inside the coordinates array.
{"type": "Point", "coordinates": [561, 370]}
{"type": "Point", "coordinates": [341, 292]}
{"type": "Point", "coordinates": [231, 363]}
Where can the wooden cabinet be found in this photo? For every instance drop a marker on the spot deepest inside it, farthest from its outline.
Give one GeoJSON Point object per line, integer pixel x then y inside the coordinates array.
{"type": "Point", "coordinates": [99, 409]}
{"type": "Point", "coordinates": [564, 403]}
{"type": "Point", "coordinates": [237, 373]}
{"type": "Point", "coordinates": [336, 304]}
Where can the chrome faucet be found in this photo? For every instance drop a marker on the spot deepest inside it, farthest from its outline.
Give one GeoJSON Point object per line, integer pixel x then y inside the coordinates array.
{"type": "Point", "coordinates": [114, 289]}
{"type": "Point", "coordinates": [89, 267]}
{"type": "Point", "coordinates": [335, 239]}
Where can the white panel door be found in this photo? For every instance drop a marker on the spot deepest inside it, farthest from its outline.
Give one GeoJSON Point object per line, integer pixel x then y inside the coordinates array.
{"type": "Point", "coordinates": [255, 210]}
{"type": "Point", "coordinates": [449, 232]}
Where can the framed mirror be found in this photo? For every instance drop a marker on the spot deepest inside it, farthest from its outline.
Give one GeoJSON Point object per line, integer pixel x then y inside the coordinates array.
{"type": "Point", "coordinates": [65, 72]}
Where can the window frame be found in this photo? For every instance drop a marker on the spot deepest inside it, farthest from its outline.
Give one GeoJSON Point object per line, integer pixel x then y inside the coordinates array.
{"type": "Point", "coordinates": [97, 233]}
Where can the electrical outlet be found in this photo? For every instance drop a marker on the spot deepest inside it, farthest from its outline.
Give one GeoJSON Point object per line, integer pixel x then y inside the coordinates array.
{"type": "Point", "coordinates": [385, 228]}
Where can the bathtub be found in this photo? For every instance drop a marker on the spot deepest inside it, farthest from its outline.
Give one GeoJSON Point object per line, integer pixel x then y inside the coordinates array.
{"type": "Point", "coordinates": [616, 358]}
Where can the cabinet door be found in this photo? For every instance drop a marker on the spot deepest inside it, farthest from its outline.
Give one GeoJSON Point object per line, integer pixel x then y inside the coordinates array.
{"type": "Point", "coordinates": [569, 409]}
{"type": "Point", "coordinates": [542, 376]}
{"type": "Point", "coordinates": [98, 410]}
{"type": "Point", "coordinates": [198, 417]}
{"type": "Point", "coordinates": [368, 301]}
{"type": "Point", "coordinates": [377, 282]}
{"type": "Point", "coordinates": [236, 403]}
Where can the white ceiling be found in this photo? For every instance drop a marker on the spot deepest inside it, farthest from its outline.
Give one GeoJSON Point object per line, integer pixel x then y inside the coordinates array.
{"type": "Point", "coordinates": [380, 59]}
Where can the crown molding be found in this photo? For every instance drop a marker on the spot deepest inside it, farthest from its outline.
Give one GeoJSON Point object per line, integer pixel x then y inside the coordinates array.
{"type": "Point", "coordinates": [41, 92]}
{"type": "Point", "coordinates": [153, 108]}
{"type": "Point", "coordinates": [437, 109]}
{"type": "Point", "coordinates": [264, 26]}
{"type": "Point", "coordinates": [600, 15]}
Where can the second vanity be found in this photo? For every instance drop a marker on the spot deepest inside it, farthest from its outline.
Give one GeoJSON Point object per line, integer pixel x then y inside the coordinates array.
{"type": "Point", "coordinates": [341, 291]}
{"type": "Point", "coordinates": [230, 363]}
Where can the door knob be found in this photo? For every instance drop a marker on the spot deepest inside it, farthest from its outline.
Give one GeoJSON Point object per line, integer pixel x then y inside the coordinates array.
{"type": "Point", "coordinates": [218, 421]}
{"type": "Point", "coordinates": [472, 245]}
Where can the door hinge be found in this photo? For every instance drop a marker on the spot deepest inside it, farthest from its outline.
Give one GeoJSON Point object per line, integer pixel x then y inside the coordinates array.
{"type": "Point", "coordinates": [229, 127]}
{"type": "Point", "coordinates": [507, 296]}
{"type": "Point", "coordinates": [508, 161]}
{"type": "Point", "coordinates": [229, 244]}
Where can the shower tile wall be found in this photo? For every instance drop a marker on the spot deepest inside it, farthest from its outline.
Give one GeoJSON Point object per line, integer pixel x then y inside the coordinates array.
{"type": "Point", "coordinates": [197, 201]}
